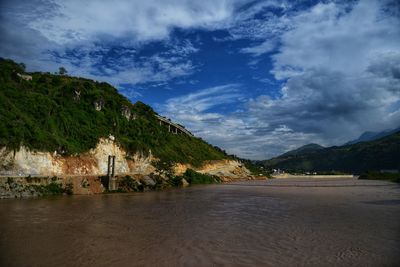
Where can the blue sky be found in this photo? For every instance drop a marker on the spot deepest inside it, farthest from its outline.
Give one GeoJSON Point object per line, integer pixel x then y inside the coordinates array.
{"type": "Point", "coordinates": [256, 78]}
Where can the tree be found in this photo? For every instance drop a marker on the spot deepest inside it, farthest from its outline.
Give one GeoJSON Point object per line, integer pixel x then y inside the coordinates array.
{"type": "Point", "coordinates": [62, 71]}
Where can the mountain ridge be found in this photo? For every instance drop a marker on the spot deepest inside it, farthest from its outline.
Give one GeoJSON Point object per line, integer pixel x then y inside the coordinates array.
{"type": "Point", "coordinates": [370, 136]}
{"type": "Point", "coordinates": [383, 153]}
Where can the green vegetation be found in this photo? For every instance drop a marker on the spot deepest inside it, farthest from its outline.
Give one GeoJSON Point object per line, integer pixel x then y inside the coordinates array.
{"type": "Point", "coordinates": [129, 184]}
{"type": "Point", "coordinates": [57, 113]}
{"type": "Point", "coordinates": [373, 175]}
{"type": "Point", "coordinates": [43, 186]}
{"type": "Point", "coordinates": [193, 177]}
{"type": "Point", "coordinates": [304, 149]}
{"type": "Point", "coordinates": [357, 158]}
{"type": "Point", "coordinates": [62, 71]}
{"type": "Point", "coordinates": [256, 168]}
{"type": "Point", "coordinates": [332, 173]}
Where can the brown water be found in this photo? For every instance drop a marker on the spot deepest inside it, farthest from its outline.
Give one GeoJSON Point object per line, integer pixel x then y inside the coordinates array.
{"type": "Point", "coordinates": [273, 223]}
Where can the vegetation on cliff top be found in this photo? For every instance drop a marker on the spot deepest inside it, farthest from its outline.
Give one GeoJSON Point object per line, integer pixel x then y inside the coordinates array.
{"type": "Point", "coordinates": [58, 113]}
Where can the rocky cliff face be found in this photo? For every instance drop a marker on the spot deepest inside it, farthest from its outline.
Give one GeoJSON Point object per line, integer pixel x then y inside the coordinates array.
{"type": "Point", "coordinates": [26, 173]}
{"type": "Point", "coordinates": [94, 162]}
{"type": "Point", "coordinates": [227, 170]}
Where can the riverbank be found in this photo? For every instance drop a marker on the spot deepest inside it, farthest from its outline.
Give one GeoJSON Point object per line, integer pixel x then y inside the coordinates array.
{"type": "Point", "coordinates": [255, 223]}
{"type": "Point", "coordinates": [37, 186]}
{"type": "Point", "coordinates": [312, 176]}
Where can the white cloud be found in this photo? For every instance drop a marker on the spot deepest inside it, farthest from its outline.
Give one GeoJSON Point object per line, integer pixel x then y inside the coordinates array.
{"type": "Point", "coordinates": [342, 72]}
{"type": "Point", "coordinates": [265, 47]}
{"type": "Point", "coordinates": [203, 100]}
{"type": "Point", "coordinates": [139, 20]}
{"type": "Point", "coordinates": [78, 35]}
{"type": "Point", "coordinates": [326, 36]}
{"type": "Point", "coordinates": [239, 132]}
{"type": "Point", "coordinates": [341, 67]}
{"type": "Point", "coordinates": [38, 31]}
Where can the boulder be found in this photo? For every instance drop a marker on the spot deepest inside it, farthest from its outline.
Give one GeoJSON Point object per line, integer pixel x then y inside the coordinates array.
{"type": "Point", "coordinates": [147, 180]}
{"type": "Point", "coordinates": [183, 182]}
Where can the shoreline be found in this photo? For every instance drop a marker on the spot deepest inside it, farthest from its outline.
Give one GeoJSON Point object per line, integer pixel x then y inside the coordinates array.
{"type": "Point", "coordinates": [333, 176]}
{"type": "Point", "coordinates": [41, 185]}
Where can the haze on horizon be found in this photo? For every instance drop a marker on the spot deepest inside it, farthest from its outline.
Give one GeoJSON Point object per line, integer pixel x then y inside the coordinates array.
{"type": "Point", "coordinates": [256, 78]}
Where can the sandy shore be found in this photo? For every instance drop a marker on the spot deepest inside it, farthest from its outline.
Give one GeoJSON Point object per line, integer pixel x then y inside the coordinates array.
{"type": "Point", "coordinates": [291, 176]}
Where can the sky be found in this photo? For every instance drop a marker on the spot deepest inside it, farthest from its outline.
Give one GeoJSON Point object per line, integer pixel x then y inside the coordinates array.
{"type": "Point", "coordinates": [256, 78]}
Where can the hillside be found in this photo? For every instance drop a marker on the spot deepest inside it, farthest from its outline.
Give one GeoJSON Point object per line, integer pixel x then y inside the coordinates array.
{"type": "Point", "coordinates": [379, 154]}
{"type": "Point", "coordinates": [303, 149]}
{"type": "Point", "coordinates": [69, 115]}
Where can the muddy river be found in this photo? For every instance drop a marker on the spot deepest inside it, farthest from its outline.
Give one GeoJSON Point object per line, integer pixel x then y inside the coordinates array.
{"type": "Point", "coordinates": [261, 223]}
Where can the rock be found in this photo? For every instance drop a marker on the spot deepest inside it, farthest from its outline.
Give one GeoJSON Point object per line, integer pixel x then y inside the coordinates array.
{"type": "Point", "coordinates": [179, 168]}
{"type": "Point", "coordinates": [26, 162]}
{"type": "Point", "coordinates": [225, 169]}
{"type": "Point", "coordinates": [183, 182]}
{"type": "Point", "coordinates": [99, 104]}
{"type": "Point", "coordinates": [147, 180]}
{"type": "Point", "coordinates": [126, 112]}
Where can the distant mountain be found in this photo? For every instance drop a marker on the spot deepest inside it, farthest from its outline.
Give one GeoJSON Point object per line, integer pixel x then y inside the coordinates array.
{"type": "Point", "coordinates": [383, 153]}
{"type": "Point", "coordinates": [370, 136]}
{"type": "Point", "coordinates": [303, 150]}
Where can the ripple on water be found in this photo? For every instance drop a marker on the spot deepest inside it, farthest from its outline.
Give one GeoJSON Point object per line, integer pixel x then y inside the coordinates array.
{"type": "Point", "coordinates": [223, 225]}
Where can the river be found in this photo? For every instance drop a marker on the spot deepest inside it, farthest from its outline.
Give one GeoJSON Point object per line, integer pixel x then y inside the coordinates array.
{"type": "Point", "coordinates": [256, 223]}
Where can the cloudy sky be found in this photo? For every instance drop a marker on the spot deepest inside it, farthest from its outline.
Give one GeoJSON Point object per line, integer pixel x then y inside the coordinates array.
{"type": "Point", "coordinates": [256, 78]}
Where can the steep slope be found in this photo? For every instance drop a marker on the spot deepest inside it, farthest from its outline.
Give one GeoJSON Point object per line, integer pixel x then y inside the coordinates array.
{"type": "Point", "coordinates": [379, 154]}
{"type": "Point", "coordinates": [69, 116]}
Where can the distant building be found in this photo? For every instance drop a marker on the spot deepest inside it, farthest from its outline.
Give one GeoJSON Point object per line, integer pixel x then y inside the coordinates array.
{"type": "Point", "coordinates": [277, 171]}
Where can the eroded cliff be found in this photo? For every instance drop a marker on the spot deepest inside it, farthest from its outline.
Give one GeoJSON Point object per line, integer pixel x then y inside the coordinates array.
{"type": "Point", "coordinates": [226, 170]}
{"type": "Point", "coordinates": [25, 162]}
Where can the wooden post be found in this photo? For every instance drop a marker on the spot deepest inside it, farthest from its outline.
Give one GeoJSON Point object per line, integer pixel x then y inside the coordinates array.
{"type": "Point", "coordinates": [111, 173]}
{"type": "Point", "coordinates": [109, 167]}
{"type": "Point", "coordinates": [113, 166]}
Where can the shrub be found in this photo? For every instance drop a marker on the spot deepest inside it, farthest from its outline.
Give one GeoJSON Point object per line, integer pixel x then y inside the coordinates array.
{"type": "Point", "coordinates": [54, 189]}
{"type": "Point", "coordinates": [374, 175]}
{"type": "Point", "coordinates": [128, 183]}
{"type": "Point", "coordinates": [193, 177]}
{"type": "Point", "coordinates": [69, 189]}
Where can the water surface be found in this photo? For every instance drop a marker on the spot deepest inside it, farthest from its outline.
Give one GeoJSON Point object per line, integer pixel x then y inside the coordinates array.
{"type": "Point", "coordinates": [272, 223]}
